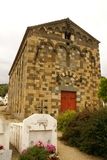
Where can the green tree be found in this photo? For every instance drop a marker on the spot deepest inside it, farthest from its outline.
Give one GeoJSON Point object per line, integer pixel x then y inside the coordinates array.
{"type": "Point", "coordinates": [103, 89]}
{"type": "Point", "coordinates": [3, 89]}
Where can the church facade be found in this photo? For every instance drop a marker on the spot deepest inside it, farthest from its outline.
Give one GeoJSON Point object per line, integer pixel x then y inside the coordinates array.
{"type": "Point", "coordinates": [57, 67]}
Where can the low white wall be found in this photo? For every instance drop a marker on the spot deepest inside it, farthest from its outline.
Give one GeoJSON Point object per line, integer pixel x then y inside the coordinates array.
{"type": "Point", "coordinates": [16, 135]}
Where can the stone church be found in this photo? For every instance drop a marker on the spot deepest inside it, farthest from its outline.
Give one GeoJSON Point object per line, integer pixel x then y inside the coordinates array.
{"type": "Point", "coordinates": [57, 67]}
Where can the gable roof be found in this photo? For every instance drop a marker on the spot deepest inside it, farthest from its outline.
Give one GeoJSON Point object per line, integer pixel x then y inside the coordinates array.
{"type": "Point", "coordinates": [68, 22]}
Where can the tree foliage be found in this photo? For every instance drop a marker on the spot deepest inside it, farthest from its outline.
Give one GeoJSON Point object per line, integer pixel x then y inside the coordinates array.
{"type": "Point", "coordinates": [3, 89]}
{"type": "Point", "coordinates": [103, 89]}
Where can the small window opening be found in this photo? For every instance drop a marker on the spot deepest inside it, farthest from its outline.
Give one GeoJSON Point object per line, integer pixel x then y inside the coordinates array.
{"type": "Point", "coordinates": [67, 35]}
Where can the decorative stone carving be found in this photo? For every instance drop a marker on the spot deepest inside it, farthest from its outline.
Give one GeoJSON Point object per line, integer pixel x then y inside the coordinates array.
{"type": "Point", "coordinates": [68, 77]}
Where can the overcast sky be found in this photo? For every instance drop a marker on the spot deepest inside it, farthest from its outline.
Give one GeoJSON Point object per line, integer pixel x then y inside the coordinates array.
{"type": "Point", "coordinates": [16, 15]}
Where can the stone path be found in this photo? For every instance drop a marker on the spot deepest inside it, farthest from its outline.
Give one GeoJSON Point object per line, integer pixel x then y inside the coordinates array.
{"type": "Point", "coordinates": [70, 153]}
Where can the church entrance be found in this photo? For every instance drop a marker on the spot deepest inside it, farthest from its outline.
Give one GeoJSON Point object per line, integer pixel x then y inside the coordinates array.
{"type": "Point", "coordinates": [68, 100]}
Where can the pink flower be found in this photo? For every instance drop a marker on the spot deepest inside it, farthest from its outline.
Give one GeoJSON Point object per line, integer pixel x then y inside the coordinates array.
{"type": "Point", "coordinates": [51, 148]}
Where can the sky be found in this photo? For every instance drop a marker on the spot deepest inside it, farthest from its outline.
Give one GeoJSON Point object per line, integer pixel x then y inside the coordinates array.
{"type": "Point", "coordinates": [17, 15]}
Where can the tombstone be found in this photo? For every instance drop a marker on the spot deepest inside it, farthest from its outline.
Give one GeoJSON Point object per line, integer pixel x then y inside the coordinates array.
{"type": "Point", "coordinates": [37, 127]}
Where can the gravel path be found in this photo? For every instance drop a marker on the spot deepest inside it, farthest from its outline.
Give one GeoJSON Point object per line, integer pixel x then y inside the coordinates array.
{"type": "Point", "coordinates": [70, 153]}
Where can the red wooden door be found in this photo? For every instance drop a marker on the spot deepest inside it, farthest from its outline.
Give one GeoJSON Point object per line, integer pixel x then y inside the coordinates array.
{"type": "Point", "coordinates": [68, 100]}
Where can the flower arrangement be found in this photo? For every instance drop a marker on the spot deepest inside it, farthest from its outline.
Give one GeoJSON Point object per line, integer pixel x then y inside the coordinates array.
{"type": "Point", "coordinates": [39, 151]}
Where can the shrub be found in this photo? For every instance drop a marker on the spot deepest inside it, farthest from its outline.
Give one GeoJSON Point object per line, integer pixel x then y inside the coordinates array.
{"type": "Point", "coordinates": [89, 133]}
{"type": "Point", "coordinates": [65, 118]}
{"type": "Point", "coordinates": [34, 152]}
{"type": "Point", "coordinates": [72, 132]}
{"type": "Point", "coordinates": [94, 135]}
{"type": "Point", "coordinates": [39, 152]}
